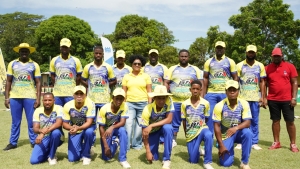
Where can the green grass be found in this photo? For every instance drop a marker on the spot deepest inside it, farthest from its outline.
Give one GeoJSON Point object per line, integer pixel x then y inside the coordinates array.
{"type": "Point", "coordinates": [264, 159]}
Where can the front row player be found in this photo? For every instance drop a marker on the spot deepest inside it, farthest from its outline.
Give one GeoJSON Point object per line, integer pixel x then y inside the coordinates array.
{"type": "Point", "coordinates": [232, 119]}
{"type": "Point", "coordinates": [111, 119]}
{"type": "Point", "coordinates": [194, 114]}
{"type": "Point", "coordinates": [156, 121]}
{"type": "Point", "coordinates": [47, 124]}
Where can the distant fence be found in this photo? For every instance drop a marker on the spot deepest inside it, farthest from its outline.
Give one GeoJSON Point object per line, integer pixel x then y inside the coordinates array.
{"type": "Point", "coordinates": [47, 90]}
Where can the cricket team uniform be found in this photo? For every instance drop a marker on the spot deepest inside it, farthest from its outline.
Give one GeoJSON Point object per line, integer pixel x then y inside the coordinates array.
{"type": "Point", "coordinates": [197, 130]}
{"type": "Point", "coordinates": [107, 118]}
{"type": "Point", "coordinates": [48, 146]}
{"type": "Point", "coordinates": [157, 73]}
{"type": "Point", "coordinates": [65, 72]}
{"type": "Point", "coordinates": [149, 116]}
{"type": "Point", "coordinates": [22, 95]}
{"type": "Point", "coordinates": [219, 72]}
{"type": "Point", "coordinates": [228, 117]}
{"type": "Point", "coordinates": [79, 145]}
{"type": "Point", "coordinates": [250, 77]}
{"type": "Point", "coordinates": [120, 73]}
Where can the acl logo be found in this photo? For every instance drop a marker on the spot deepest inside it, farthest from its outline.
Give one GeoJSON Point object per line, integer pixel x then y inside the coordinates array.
{"type": "Point", "coordinates": [107, 49]}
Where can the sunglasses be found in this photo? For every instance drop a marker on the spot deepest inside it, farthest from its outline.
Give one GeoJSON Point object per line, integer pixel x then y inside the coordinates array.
{"type": "Point", "coordinates": [137, 64]}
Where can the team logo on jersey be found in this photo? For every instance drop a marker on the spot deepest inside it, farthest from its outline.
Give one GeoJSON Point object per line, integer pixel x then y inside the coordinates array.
{"type": "Point", "coordinates": [15, 67]}
{"type": "Point", "coordinates": [176, 71]}
{"type": "Point", "coordinates": [99, 82]}
{"type": "Point", "coordinates": [66, 75]}
{"type": "Point", "coordinates": [244, 70]}
{"type": "Point", "coordinates": [73, 114]}
{"type": "Point", "coordinates": [220, 74]}
{"type": "Point", "coordinates": [184, 82]}
{"type": "Point", "coordinates": [251, 80]}
{"type": "Point", "coordinates": [146, 69]}
{"type": "Point", "coordinates": [24, 78]}
{"type": "Point", "coordinates": [212, 64]}
{"type": "Point", "coordinates": [156, 80]}
{"type": "Point", "coordinates": [284, 73]}
{"type": "Point", "coordinates": [225, 114]}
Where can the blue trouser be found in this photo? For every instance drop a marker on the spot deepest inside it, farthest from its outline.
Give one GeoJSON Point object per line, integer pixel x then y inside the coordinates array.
{"type": "Point", "coordinates": [122, 135]}
{"type": "Point", "coordinates": [133, 122]}
{"type": "Point", "coordinates": [80, 144]}
{"type": "Point", "coordinates": [167, 132]}
{"type": "Point", "coordinates": [16, 106]}
{"type": "Point", "coordinates": [254, 106]}
{"type": "Point", "coordinates": [176, 122]}
{"type": "Point", "coordinates": [47, 148]}
{"type": "Point", "coordinates": [63, 100]}
{"type": "Point", "coordinates": [193, 147]}
{"type": "Point", "coordinates": [243, 137]}
{"type": "Point", "coordinates": [213, 99]}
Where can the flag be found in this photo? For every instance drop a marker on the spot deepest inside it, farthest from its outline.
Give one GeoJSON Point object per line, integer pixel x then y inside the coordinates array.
{"type": "Point", "coordinates": [2, 73]}
{"type": "Point", "coordinates": [108, 51]}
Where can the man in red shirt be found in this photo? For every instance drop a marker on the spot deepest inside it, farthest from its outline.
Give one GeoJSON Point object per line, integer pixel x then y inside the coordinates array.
{"type": "Point", "coordinates": [282, 93]}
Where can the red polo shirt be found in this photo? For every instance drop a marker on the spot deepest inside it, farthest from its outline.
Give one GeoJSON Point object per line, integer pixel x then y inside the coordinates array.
{"type": "Point", "coordinates": [279, 80]}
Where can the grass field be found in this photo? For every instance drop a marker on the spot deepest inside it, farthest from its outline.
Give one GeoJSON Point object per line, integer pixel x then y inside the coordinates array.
{"type": "Point", "coordinates": [264, 159]}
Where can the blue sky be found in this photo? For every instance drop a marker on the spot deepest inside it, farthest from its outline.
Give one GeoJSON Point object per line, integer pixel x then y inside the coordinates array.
{"type": "Point", "coordinates": [188, 19]}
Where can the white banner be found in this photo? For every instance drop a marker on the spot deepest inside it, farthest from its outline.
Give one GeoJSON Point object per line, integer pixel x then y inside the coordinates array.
{"type": "Point", "coordinates": [2, 73]}
{"type": "Point", "coordinates": [108, 51]}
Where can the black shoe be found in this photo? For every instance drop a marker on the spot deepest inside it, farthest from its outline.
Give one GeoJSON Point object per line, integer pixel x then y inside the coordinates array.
{"type": "Point", "coordinates": [32, 145]}
{"type": "Point", "coordinates": [10, 146]}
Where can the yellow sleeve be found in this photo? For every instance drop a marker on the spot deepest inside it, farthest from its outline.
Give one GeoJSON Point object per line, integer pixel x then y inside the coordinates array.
{"type": "Point", "coordinates": [169, 73]}
{"type": "Point", "coordinates": [125, 111]}
{"type": "Point", "coordinates": [111, 74]}
{"type": "Point", "coordinates": [262, 70]}
{"type": "Point", "coordinates": [146, 116]}
{"type": "Point", "coordinates": [101, 119]}
{"type": "Point", "coordinates": [183, 112]}
{"type": "Point", "coordinates": [124, 80]}
{"type": "Point", "coordinates": [9, 68]}
{"type": "Point", "coordinates": [59, 111]}
{"type": "Point", "coordinates": [206, 65]}
{"type": "Point", "coordinates": [36, 115]}
{"type": "Point", "coordinates": [232, 65]}
{"type": "Point", "coordinates": [85, 73]}
{"type": "Point", "coordinates": [91, 113]}
{"type": "Point", "coordinates": [170, 104]}
{"type": "Point", "coordinates": [165, 69]}
{"type": "Point", "coordinates": [239, 68]}
{"type": "Point", "coordinates": [37, 72]}
{"type": "Point", "coordinates": [246, 114]}
{"type": "Point", "coordinates": [207, 109]}
{"type": "Point", "coordinates": [148, 79]}
{"type": "Point", "coordinates": [217, 114]}
{"type": "Point", "coordinates": [52, 66]}
{"type": "Point", "coordinates": [66, 115]}
{"type": "Point", "coordinates": [78, 65]}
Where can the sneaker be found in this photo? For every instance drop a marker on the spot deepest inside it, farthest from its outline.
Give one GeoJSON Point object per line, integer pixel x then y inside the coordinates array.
{"type": "Point", "coordinates": [174, 144]}
{"type": "Point", "coordinates": [32, 145]}
{"type": "Point", "coordinates": [256, 147]}
{"type": "Point", "coordinates": [52, 161]}
{"type": "Point", "coordinates": [86, 161]}
{"type": "Point", "coordinates": [294, 148]}
{"type": "Point", "coordinates": [202, 152]}
{"type": "Point", "coordinates": [275, 145]}
{"type": "Point", "coordinates": [125, 164]}
{"type": "Point", "coordinates": [10, 146]}
{"type": "Point", "coordinates": [238, 146]}
{"type": "Point", "coordinates": [166, 164]}
{"type": "Point", "coordinates": [208, 166]}
{"type": "Point", "coordinates": [116, 141]}
{"type": "Point", "coordinates": [244, 166]}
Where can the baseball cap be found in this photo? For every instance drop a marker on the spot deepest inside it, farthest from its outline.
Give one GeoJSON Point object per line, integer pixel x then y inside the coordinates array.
{"type": "Point", "coordinates": [120, 54]}
{"type": "Point", "coordinates": [80, 88]}
{"type": "Point", "coordinates": [251, 48]}
{"type": "Point", "coordinates": [65, 42]}
{"type": "Point", "coordinates": [276, 52]}
{"type": "Point", "coordinates": [231, 83]}
{"type": "Point", "coordinates": [153, 51]}
{"type": "Point", "coordinates": [119, 91]}
{"type": "Point", "coordinates": [220, 43]}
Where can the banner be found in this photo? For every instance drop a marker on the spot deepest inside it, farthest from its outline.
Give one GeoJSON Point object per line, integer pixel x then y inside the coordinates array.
{"type": "Point", "coordinates": [108, 51]}
{"type": "Point", "coordinates": [2, 73]}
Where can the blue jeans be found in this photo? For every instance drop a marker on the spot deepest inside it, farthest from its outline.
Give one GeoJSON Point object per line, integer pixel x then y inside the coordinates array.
{"type": "Point", "coordinates": [133, 122]}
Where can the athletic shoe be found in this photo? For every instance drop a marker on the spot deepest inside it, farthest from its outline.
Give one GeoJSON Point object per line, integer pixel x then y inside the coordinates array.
{"type": "Point", "coordinates": [244, 166]}
{"type": "Point", "coordinates": [116, 141]}
{"type": "Point", "coordinates": [256, 147]}
{"type": "Point", "coordinates": [125, 164]}
{"type": "Point", "coordinates": [275, 145]}
{"type": "Point", "coordinates": [202, 152]}
{"type": "Point", "coordinates": [238, 146]}
{"type": "Point", "coordinates": [294, 148]}
{"type": "Point", "coordinates": [174, 144]}
{"type": "Point", "coordinates": [86, 161]}
{"type": "Point", "coordinates": [166, 164]}
{"type": "Point", "coordinates": [10, 146]}
{"type": "Point", "coordinates": [208, 166]}
{"type": "Point", "coordinates": [52, 161]}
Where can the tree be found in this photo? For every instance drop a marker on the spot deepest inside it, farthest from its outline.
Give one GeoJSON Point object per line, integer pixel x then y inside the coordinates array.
{"type": "Point", "coordinates": [52, 30]}
{"type": "Point", "coordinates": [266, 24]}
{"type": "Point", "coordinates": [198, 52]}
{"type": "Point", "coordinates": [16, 28]}
{"type": "Point", "coordinates": [169, 56]}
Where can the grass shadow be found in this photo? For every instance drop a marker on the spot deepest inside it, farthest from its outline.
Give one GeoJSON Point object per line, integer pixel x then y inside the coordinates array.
{"type": "Point", "coordinates": [23, 142]}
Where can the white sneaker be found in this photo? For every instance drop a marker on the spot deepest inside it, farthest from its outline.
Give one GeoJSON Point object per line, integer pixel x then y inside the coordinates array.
{"type": "Point", "coordinates": [125, 164]}
{"type": "Point", "coordinates": [116, 141]}
{"type": "Point", "coordinates": [86, 161]}
{"type": "Point", "coordinates": [202, 152]}
{"type": "Point", "coordinates": [166, 164]}
{"type": "Point", "coordinates": [256, 147]}
{"type": "Point", "coordinates": [244, 166]}
{"type": "Point", "coordinates": [238, 146]}
{"type": "Point", "coordinates": [52, 161]}
{"type": "Point", "coordinates": [174, 144]}
{"type": "Point", "coordinates": [208, 166]}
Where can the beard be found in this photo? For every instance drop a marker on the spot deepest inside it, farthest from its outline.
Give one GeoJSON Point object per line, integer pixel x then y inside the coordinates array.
{"type": "Point", "coordinates": [250, 58]}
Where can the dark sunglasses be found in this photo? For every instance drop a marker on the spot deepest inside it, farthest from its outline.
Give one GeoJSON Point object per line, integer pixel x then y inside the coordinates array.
{"type": "Point", "coordinates": [137, 64]}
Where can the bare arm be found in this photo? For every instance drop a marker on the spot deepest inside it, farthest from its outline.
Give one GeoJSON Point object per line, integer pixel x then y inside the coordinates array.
{"type": "Point", "coordinates": [234, 76]}
{"type": "Point", "coordinates": [294, 91]}
{"type": "Point", "coordinates": [53, 78]}
{"type": "Point", "coordinates": [166, 83]}
{"type": "Point", "coordinates": [184, 126]}
{"type": "Point", "coordinates": [38, 92]}
{"type": "Point", "coordinates": [84, 82]}
{"type": "Point", "coordinates": [262, 87]}
{"type": "Point", "coordinates": [78, 79]}
{"type": "Point", "coordinates": [113, 83]}
{"type": "Point", "coordinates": [7, 90]}
{"type": "Point", "coordinates": [205, 83]}
{"type": "Point", "coordinates": [149, 90]}
{"type": "Point", "coordinates": [103, 139]}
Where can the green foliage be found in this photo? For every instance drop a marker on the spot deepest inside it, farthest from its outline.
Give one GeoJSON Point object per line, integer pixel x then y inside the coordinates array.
{"type": "Point", "coordinates": [168, 56]}
{"type": "Point", "coordinates": [198, 52]}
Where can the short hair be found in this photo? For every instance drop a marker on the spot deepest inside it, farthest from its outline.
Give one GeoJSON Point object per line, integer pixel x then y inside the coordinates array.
{"type": "Point", "coordinates": [184, 50]}
{"type": "Point", "coordinates": [98, 47]}
{"type": "Point", "coordinates": [139, 57]}
{"type": "Point", "coordinates": [48, 93]}
{"type": "Point", "coordinates": [196, 82]}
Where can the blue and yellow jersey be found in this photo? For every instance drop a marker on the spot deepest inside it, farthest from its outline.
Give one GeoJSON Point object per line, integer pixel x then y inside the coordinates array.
{"type": "Point", "coordinates": [195, 117]}
{"type": "Point", "coordinates": [98, 81]}
{"type": "Point", "coordinates": [180, 81]}
{"type": "Point", "coordinates": [120, 73]}
{"type": "Point", "coordinates": [107, 118]}
{"type": "Point", "coordinates": [65, 74]}
{"type": "Point", "coordinates": [76, 116]}
{"type": "Point", "coordinates": [151, 115]}
{"type": "Point", "coordinates": [157, 73]}
{"type": "Point", "coordinates": [219, 72]}
{"type": "Point", "coordinates": [23, 78]}
{"type": "Point", "coordinates": [250, 77]}
{"type": "Point", "coordinates": [228, 117]}
{"type": "Point", "coordinates": [45, 120]}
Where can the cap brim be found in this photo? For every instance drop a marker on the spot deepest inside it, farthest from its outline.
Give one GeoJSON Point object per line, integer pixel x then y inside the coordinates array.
{"type": "Point", "coordinates": [155, 94]}
{"type": "Point", "coordinates": [17, 49]}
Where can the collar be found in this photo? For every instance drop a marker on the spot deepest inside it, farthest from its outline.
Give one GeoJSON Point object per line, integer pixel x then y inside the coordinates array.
{"type": "Point", "coordinates": [18, 60]}
{"type": "Point", "coordinates": [148, 63]}
{"type": "Point", "coordinates": [186, 66]}
{"type": "Point", "coordinates": [68, 56]}
{"type": "Point", "coordinates": [245, 62]}
{"type": "Point", "coordinates": [221, 57]}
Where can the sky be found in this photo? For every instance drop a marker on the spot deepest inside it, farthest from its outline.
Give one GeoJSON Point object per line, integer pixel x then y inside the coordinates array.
{"type": "Point", "coordinates": [188, 19]}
